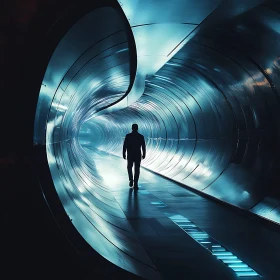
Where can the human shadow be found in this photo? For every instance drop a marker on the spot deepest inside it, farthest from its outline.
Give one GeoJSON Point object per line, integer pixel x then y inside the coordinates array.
{"type": "Point", "coordinates": [133, 203]}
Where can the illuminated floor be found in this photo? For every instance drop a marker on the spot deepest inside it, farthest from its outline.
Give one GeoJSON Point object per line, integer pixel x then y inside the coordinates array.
{"type": "Point", "coordinates": [185, 234]}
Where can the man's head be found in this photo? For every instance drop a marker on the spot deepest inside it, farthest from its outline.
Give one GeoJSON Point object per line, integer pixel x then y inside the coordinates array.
{"type": "Point", "coordinates": [135, 127]}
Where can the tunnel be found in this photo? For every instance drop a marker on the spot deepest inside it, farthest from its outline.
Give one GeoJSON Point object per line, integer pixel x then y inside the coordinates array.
{"type": "Point", "coordinates": [201, 80]}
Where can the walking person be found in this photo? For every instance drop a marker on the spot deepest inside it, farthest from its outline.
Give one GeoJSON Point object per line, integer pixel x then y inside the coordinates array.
{"type": "Point", "coordinates": [132, 145]}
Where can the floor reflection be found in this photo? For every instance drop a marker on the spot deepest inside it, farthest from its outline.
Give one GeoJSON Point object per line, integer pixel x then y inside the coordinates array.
{"type": "Point", "coordinates": [133, 202]}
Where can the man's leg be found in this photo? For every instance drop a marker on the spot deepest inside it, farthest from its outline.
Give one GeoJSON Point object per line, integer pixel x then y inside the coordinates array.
{"type": "Point", "coordinates": [136, 172]}
{"type": "Point", "coordinates": [129, 171]}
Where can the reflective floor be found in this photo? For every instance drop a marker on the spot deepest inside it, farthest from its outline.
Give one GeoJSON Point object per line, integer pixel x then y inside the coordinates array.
{"type": "Point", "coordinates": [178, 232]}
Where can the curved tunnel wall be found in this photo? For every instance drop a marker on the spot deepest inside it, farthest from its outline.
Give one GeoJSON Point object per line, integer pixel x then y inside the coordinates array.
{"type": "Point", "coordinates": [209, 115]}
{"type": "Point", "coordinates": [81, 79]}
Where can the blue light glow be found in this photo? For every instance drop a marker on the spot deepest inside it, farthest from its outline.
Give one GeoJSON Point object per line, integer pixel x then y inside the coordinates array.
{"type": "Point", "coordinates": [221, 253]}
{"type": "Point", "coordinates": [238, 266]}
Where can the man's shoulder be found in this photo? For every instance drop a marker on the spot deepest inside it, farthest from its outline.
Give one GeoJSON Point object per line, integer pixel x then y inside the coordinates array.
{"type": "Point", "coordinates": [127, 136]}
{"type": "Point", "coordinates": [133, 134]}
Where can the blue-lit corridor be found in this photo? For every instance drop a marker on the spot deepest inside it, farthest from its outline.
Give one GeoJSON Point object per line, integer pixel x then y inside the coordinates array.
{"type": "Point", "coordinates": [164, 230]}
{"type": "Point", "coordinates": [201, 81]}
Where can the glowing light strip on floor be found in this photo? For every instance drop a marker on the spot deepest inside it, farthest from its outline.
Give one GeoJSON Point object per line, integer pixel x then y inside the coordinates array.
{"type": "Point", "coordinates": [220, 252]}
{"type": "Point", "coordinates": [200, 236]}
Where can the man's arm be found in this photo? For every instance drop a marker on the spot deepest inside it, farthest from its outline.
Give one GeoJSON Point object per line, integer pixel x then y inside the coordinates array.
{"type": "Point", "coordinates": [124, 147]}
{"type": "Point", "coordinates": [143, 147]}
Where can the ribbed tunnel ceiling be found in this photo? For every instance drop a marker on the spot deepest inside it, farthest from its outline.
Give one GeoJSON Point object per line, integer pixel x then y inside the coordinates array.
{"type": "Point", "coordinates": [205, 112]}
{"type": "Point", "coordinates": [205, 94]}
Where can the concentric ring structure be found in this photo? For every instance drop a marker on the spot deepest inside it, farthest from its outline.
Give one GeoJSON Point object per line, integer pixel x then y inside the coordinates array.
{"type": "Point", "coordinates": [201, 79]}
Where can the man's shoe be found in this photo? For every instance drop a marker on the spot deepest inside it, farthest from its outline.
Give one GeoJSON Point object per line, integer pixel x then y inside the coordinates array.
{"type": "Point", "coordinates": [136, 186]}
{"type": "Point", "coordinates": [131, 184]}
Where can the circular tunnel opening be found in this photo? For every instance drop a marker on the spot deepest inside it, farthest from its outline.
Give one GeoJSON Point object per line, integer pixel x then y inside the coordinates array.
{"type": "Point", "coordinates": [208, 115]}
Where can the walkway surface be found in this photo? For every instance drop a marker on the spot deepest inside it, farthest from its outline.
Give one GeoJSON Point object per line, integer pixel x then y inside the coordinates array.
{"type": "Point", "coordinates": [187, 235]}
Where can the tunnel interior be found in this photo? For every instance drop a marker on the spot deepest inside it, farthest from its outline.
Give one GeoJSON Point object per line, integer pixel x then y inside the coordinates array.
{"type": "Point", "coordinates": [205, 97]}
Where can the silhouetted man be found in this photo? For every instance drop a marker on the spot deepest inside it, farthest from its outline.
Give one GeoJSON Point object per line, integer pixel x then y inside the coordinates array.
{"type": "Point", "coordinates": [132, 144]}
